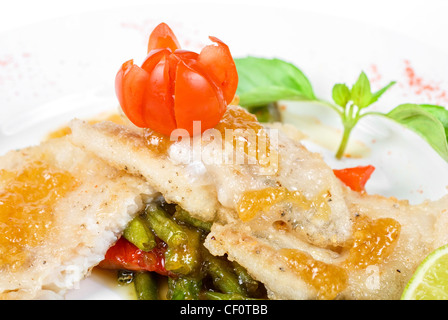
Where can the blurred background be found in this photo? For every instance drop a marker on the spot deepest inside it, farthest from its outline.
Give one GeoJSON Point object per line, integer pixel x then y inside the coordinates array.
{"type": "Point", "coordinates": [425, 21]}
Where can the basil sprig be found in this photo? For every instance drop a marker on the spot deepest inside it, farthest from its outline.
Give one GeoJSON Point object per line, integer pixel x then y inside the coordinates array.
{"type": "Point", "coordinates": [263, 81]}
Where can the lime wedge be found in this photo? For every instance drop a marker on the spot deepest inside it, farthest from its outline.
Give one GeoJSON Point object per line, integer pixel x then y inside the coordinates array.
{"type": "Point", "coordinates": [430, 280]}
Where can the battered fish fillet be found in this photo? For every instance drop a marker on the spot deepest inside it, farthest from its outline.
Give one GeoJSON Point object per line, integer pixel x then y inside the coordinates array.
{"type": "Point", "coordinates": [391, 240]}
{"type": "Point", "coordinates": [126, 148]}
{"type": "Point", "coordinates": [212, 189]}
{"type": "Point", "coordinates": [60, 210]}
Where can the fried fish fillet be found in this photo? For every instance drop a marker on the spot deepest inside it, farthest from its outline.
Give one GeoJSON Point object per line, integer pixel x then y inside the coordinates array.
{"type": "Point", "coordinates": [390, 239]}
{"type": "Point", "coordinates": [215, 183]}
{"type": "Point", "coordinates": [127, 148]}
{"type": "Point", "coordinates": [60, 210]}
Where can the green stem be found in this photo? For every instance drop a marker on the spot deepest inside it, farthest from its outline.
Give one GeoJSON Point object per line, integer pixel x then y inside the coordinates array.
{"type": "Point", "coordinates": [344, 141]}
{"type": "Point", "coordinates": [372, 113]}
{"type": "Point", "coordinates": [350, 117]}
{"type": "Point", "coordinates": [336, 108]}
{"type": "Point", "coordinates": [349, 121]}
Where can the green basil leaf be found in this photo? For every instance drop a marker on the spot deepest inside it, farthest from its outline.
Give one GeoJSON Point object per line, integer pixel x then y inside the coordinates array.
{"type": "Point", "coordinates": [428, 121]}
{"type": "Point", "coordinates": [379, 93]}
{"type": "Point", "coordinates": [341, 94]}
{"type": "Point", "coordinates": [440, 113]}
{"type": "Point", "coordinates": [262, 81]}
{"type": "Point", "coordinates": [361, 93]}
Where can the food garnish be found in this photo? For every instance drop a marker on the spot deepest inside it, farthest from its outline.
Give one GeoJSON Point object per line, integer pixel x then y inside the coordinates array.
{"type": "Point", "coordinates": [175, 87]}
{"type": "Point", "coordinates": [430, 280]}
{"type": "Point", "coordinates": [356, 177]}
{"type": "Point", "coordinates": [263, 81]}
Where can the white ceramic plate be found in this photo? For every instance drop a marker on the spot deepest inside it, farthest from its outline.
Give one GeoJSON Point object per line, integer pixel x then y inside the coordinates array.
{"type": "Point", "coordinates": [64, 68]}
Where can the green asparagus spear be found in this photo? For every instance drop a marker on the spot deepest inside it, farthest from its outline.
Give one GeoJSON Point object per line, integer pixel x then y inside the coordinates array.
{"type": "Point", "coordinates": [211, 295]}
{"type": "Point", "coordinates": [182, 255]}
{"type": "Point", "coordinates": [250, 285]}
{"type": "Point", "coordinates": [165, 227]}
{"type": "Point", "coordinates": [184, 288]}
{"type": "Point", "coordinates": [185, 259]}
{"type": "Point", "coordinates": [222, 274]}
{"type": "Point", "coordinates": [183, 215]}
{"type": "Point", "coordinates": [139, 233]}
{"type": "Point", "coordinates": [146, 286]}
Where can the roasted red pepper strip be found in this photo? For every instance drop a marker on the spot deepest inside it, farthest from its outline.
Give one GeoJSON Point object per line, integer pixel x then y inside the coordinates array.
{"type": "Point", "coordinates": [125, 255]}
{"type": "Point", "coordinates": [356, 177]}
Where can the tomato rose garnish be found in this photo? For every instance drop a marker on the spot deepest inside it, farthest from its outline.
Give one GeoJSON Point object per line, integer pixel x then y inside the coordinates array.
{"type": "Point", "coordinates": [175, 87]}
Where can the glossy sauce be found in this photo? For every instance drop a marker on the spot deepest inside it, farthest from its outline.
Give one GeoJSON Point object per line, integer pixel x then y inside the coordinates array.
{"type": "Point", "coordinates": [157, 142]}
{"type": "Point", "coordinates": [26, 208]}
{"type": "Point", "coordinates": [234, 118]}
{"type": "Point", "coordinates": [254, 201]}
{"type": "Point", "coordinates": [327, 279]}
{"type": "Point", "coordinates": [248, 135]}
{"type": "Point", "coordinates": [373, 242]}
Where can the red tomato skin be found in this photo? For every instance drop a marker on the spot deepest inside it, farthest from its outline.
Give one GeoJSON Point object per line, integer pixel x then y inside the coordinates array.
{"type": "Point", "coordinates": [158, 101]}
{"type": "Point", "coordinates": [130, 83]}
{"type": "Point", "coordinates": [154, 57]}
{"type": "Point", "coordinates": [125, 255]}
{"type": "Point", "coordinates": [186, 55]}
{"type": "Point", "coordinates": [174, 87]}
{"type": "Point", "coordinates": [218, 62]}
{"type": "Point", "coordinates": [162, 37]}
{"type": "Point", "coordinates": [196, 99]}
{"type": "Point", "coordinates": [355, 178]}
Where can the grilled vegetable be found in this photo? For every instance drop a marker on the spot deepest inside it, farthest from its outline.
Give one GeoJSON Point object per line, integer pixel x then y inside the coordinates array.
{"type": "Point", "coordinates": [192, 272]}
{"type": "Point", "coordinates": [146, 286]}
{"type": "Point", "coordinates": [139, 234]}
{"type": "Point", "coordinates": [184, 288]}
